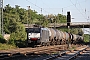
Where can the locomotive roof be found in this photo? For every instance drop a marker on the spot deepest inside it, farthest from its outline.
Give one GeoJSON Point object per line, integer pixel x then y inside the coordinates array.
{"type": "Point", "coordinates": [44, 29]}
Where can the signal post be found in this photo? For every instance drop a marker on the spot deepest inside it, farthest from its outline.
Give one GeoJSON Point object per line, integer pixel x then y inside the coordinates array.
{"type": "Point", "coordinates": [68, 26]}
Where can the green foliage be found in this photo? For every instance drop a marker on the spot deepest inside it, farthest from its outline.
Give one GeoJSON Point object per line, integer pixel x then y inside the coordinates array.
{"type": "Point", "coordinates": [17, 14]}
{"type": "Point", "coordinates": [61, 18]}
{"type": "Point", "coordinates": [64, 29]}
{"type": "Point", "coordinates": [13, 15]}
{"type": "Point", "coordinates": [77, 31]}
{"type": "Point", "coordinates": [86, 38]}
{"type": "Point", "coordinates": [17, 43]}
{"type": "Point", "coordinates": [20, 43]}
{"type": "Point", "coordinates": [11, 42]}
{"type": "Point", "coordinates": [2, 40]}
{"type": "Point", "coordinates": [6, 46]}
{"type": "Point", "coordinates": [19, 33]}
{"type": "Point", "coordinates": [74, 30]}
{"type": "Point", "coordinates": [45, 23]}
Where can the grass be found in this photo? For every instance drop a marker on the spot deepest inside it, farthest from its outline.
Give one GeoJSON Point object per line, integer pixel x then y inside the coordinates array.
{"type": "Point", "coordinates": [72, 48]}
{"type": "Point", "coordinates": [6, 46]}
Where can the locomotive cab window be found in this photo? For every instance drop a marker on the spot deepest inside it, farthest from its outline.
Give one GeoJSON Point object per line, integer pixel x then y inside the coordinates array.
{"type": "Point", "coordinates": [34, 30]}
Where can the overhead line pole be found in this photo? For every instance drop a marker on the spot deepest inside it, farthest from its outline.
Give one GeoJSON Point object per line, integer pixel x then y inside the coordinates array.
{"type": "Point", "coordinates": [28, 16]}
{"type": "Point", "coordinates": [41, 19]}
{"type": "Point", "coordinates": [1, 17]}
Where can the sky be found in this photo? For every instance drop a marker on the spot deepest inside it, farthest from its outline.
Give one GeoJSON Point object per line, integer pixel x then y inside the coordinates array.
{"type": "Point", "coordinates": [80, 9]}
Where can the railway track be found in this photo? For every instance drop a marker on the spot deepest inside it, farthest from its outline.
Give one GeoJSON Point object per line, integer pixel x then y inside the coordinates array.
{"type": "Point", "coordinates": [43, 53]}
{"type": "Point", "coordinates": [85, 55]}
{"type": "Point", "coordinates": [5, 54]}
{"type": "Point", "coordinates": [68, 55]}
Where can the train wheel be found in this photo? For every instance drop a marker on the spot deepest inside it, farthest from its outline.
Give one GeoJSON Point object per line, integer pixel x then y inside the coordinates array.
{"type": "Point", "coordinates": [58, 42]}
{"type": "Point", "coordinates": [28, 44]}
{"type": "Point", "coordinates": [53, 42]}
{"type": "Point", "coordinates": [43, 44]}
{"type": "Point", "coordinates": [48, 43]}
{"type": "Point", "coordinates": [63, 42]}
{"type": "Point", "coordinates": [33, 44]}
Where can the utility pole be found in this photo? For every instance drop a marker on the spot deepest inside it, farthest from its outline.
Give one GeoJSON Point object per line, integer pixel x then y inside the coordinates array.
{"type": "Point", "coordinates": [41, 18]}
{"type": "Point", "coordinates": [1, 17]}
{"type": "Point", "coordinates": [83, 30]}
{"type": "Point", "coordinates": [28, 23]}
{"type": "Point", "coordinates": [28, 16]}
{"type": "Point", "coordinates": [55, 22]}
{"type": "Point", "coordinates": [62, 11]}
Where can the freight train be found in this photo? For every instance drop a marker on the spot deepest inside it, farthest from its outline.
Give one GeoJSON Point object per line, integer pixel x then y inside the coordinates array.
{"type": "Point", "coordinates": [50, 36]}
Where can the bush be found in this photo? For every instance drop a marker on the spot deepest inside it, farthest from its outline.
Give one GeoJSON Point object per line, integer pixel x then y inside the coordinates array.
{"type": "Point", "coordinates": [18, 43]}
{"type": "Point", "coordinates": [86, 38]}
{"type": "Point", "coordinates": [2, 40]}
{"type": "Point", "coordinates": [18, 37]}
{"type": "Point", "coordinates": [19, 34]}
{"type": "Point", "coordinates": [11, 42]}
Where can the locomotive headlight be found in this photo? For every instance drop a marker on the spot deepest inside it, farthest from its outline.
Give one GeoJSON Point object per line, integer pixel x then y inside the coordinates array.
{"type": "Point", "coordinates": [29, 38]}
{"type": "Point", "coordinates": [29, 34]}
{"type": "Point", "coordinates": [38, 37]}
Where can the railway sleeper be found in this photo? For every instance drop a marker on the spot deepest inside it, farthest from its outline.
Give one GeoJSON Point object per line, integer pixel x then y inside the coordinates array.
{"type": "Point", "coordinates": [60, 54]}
{"type": "Point", "coordinates": [57, 55]}
{"type": "Point", "coordinates": [77, 53]}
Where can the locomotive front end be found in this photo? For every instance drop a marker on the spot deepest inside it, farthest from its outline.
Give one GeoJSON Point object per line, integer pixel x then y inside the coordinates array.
{"type": "Point", "coordinates": [33, 36]}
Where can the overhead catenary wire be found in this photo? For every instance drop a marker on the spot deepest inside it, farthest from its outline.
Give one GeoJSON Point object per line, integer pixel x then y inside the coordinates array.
{"type": "Point", "coordinates": [37, 6]}
{"type": "Point", "coordinates": [87, 31]}
{"type": "Point", "coordinates": [61, 8]}
{"type": "Point", "coordinates": [51, 8]}
{"type": "Point", "coordinates": [78, 10]}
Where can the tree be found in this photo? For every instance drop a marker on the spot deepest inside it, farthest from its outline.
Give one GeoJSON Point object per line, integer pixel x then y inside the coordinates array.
{"type": "Point", "coordinates": [10, 19]}
{"type": "Point", "coordinates": [61, 18]}
{"type": "Point", "coordinates": [19, 33]}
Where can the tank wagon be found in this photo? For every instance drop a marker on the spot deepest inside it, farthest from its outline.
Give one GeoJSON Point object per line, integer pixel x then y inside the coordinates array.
{"type": "Point", "coordinates": [50, 36]}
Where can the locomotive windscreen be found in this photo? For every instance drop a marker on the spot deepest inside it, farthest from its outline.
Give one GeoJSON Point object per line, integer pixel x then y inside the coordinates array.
{"type": "Point", "coordinates": [34, 30]}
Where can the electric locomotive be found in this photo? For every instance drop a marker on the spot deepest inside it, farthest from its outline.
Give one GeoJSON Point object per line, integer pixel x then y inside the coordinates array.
{"type": "Point", "coordinates": [33, 35]}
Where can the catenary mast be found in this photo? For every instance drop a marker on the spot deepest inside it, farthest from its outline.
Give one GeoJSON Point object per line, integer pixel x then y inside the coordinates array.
{"type": "Point", "coordinates": [1, 17]}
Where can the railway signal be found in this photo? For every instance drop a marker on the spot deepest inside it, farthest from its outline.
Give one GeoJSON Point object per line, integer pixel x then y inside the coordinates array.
{"type": "Point", "coordinates": [68, 18]}
{"type": "Point", "coordinates": [68, 25]}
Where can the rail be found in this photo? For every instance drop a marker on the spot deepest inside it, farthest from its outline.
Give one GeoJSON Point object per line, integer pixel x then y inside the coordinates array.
{"type": "Point", "coordinates": [75, 54]}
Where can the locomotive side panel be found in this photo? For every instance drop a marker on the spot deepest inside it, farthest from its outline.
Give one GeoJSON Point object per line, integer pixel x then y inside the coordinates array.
{"type": "Point", "coordinates": [44, 35]}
